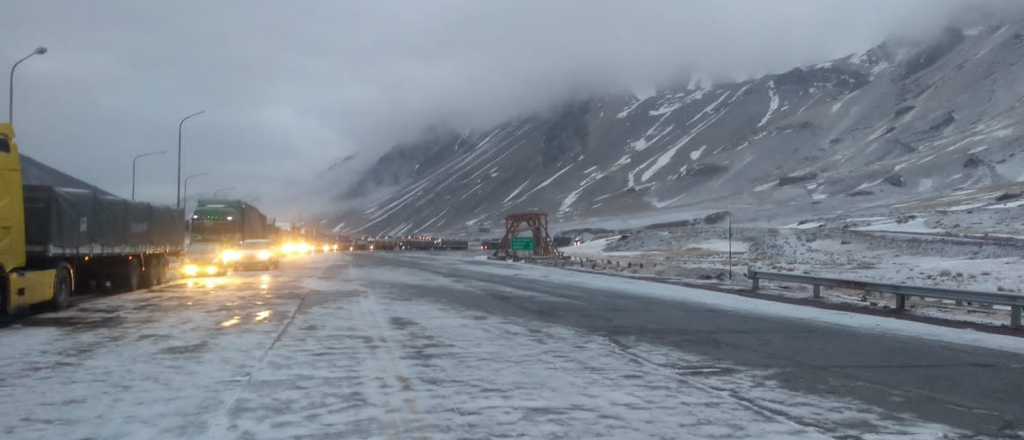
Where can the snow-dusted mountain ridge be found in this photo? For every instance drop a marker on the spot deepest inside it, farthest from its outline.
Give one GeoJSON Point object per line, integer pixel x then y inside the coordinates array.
{"type": "Point", "coordinates": [894, 123]}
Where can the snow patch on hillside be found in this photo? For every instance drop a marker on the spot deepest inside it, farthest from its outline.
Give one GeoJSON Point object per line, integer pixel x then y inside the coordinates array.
{"type": "Point", "coordinates": [773, 104]}
{"type": "Point", "coordinates": [663, 160]}
{"type": "Point", "coordinates": [694, 155]}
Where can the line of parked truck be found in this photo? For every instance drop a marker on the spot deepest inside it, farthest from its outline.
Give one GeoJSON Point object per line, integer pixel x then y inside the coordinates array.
{"type": "Point", "coordinates": [55, 242]}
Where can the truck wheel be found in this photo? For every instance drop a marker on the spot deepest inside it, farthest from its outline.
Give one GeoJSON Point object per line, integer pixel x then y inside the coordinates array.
{"type": "Point", "coordinates": [61, 288]}
{"type": "Point", "coordinates": [160, 270]}
{"type": "Point", "coordinates": [147, 278]}
{"type": "Point", "coordinates": [128, 276]}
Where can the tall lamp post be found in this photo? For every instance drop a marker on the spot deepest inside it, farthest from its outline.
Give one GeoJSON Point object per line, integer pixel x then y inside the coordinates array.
{"type": "Point", "coordinates": [185, 198]}
{"type": "Point", "coordinates": [10, 96]}
{"type": "Point", "coordinates": [136, 161]}
{"type": "Point", "coordinates": [215, 193]}
{"type": "Point", "coordinates": [178, 203]}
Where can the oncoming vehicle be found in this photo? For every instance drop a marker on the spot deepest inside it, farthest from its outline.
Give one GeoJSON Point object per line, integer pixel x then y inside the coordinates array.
{"type": "Point", "coordinates": [257, 254]}
{"type": "Point", "coordinates": [204, 259]}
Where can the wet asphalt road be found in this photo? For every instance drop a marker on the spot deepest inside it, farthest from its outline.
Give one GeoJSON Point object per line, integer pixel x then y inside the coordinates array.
{"type": "Point", "coordinates": [392, 346]}
{"type": "Point", "coordinates": [977, 390]}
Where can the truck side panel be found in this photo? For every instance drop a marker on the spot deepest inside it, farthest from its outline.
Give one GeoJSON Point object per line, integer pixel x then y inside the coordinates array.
{"type": "Point", "coordinates": [58, 219]}
{"type": "Point", "coordinates": [73, 222]}
{"type": "Point", "coordinates": [254, 223]}
{"type": "Point", "coordinates": [112, 227]}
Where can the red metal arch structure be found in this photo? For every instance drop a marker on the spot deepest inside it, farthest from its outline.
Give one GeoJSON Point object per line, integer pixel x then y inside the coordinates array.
{"type": "Point", "coordinates": [535, 223]}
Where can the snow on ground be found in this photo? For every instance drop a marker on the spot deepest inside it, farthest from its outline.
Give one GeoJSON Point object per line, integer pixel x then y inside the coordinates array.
{"type": "Point", "coordinates": [868, 248]}
{"type": "Point", "coordinates": [329, 350]}
{"type": "Point", "coordinates": [592, 247]}
{"type": "Point", "coordinates": [917, 225]}
{"type": "Point", "coordinates": [808, 225]}
{"type": "Point", "coordinates": [881, 325]}
{"type": "Point", "coordinates": [720, 246]}
{"type": "Point", "coordinates": [1007, 205]}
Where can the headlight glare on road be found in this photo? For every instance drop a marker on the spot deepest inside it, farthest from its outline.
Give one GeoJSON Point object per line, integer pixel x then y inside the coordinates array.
{"type": "Point", "coordinates": [190, 270]}
{"type": "Point", "coordinates": [264, 255]}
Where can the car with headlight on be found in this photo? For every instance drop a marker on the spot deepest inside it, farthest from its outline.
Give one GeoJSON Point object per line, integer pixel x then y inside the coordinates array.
{"type": "Point", "coordinates": [257, 254]}
{"type": "Point", "coordinates": [204, 259]}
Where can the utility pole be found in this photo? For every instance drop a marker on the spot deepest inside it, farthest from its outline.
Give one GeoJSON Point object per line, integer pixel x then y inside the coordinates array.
{"type": "Point", "coordinates": [730, 245]}
{"type": "Point", "coordinates": [135, 161]}
{"type": "Point", "coordinates": [178, 203]}
{"type": "Point", "coordinates": [10, 97]}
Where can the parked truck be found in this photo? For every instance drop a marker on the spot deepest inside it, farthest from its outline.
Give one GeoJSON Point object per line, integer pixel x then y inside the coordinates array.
{"type": "Point", "coordinates": [55, 242]}
{"type": "Point", "coordinates": [228, 221]}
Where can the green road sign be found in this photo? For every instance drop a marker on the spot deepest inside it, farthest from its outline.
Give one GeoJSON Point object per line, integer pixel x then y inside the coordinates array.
{"type": "Point", "coordinates": [525, 244]}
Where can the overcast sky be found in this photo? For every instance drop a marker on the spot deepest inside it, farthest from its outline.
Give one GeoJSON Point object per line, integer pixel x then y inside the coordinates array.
{"type": "Point", "coordinates": [290, 86]}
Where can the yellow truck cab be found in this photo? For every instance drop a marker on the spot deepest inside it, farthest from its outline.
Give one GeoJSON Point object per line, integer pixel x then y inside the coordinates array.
{"type": "Point", "coordinates": [21, 287]}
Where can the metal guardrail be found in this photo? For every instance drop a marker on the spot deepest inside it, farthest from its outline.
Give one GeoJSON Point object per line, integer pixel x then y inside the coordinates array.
{"type": "Point", "coordinates": [1014, 301]}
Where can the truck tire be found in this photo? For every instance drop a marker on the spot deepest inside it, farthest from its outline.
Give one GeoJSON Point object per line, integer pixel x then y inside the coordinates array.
{"type": "Point", "coordinates": [128, 275]}
{"type": "Point", "coordinates": [160, 272]}
{"type": "Point", "coordinates": [61, 288]}
{"type": "Point", "coordinates": [147, 278]}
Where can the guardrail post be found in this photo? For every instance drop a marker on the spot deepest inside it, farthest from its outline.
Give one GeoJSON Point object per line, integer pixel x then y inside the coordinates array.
{"type": "Point", "coordinates": [817, 291]}
{"type": "Point", "coordinates": [753, 278]}
{"type": "Point", "coordinates": [1015, 316]}
{"type": "Point", "coordinates": [901, 302]}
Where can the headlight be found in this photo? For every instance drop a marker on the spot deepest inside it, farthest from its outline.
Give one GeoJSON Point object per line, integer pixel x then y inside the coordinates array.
{"type": "Point", "coordinates": [288, 248]}
{"type": "Point", "coordinates": [326, 248]}
{"type": "Point", "coordinates": [229, 256]}
{"type": "Point", "coordinates": [335, 248]}
{"type": "Point", "coordinates": [190, 270]}
{"type": "Point", "coordinates": [264, 255]}
{"type": "Point", "coordinates": [212, 270]}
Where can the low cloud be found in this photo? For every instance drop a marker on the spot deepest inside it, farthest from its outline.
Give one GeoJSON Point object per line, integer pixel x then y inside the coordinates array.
{"type": "Point", "coordinates": [290, 87]}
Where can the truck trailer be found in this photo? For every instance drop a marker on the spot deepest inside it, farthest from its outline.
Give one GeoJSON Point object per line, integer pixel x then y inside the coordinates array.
{"type": "Point", "coordinates": [55, 242]}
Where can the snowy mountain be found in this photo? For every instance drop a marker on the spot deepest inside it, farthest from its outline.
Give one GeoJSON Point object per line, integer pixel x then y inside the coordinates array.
{"type": "Point", "coordinates": [898, 122]}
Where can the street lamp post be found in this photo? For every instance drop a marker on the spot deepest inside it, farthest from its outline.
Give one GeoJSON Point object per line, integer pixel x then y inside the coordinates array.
{"type": "Point", "coordinates": [178, 203]}
{"type": "Point", "coordinates": [10, 96]}
{"type": "Point", "coordinates": [184, 199]}
{"type": "Point", "coordinates": [135, 161]}
{"type": "Point", "coordinates": [215, 193]}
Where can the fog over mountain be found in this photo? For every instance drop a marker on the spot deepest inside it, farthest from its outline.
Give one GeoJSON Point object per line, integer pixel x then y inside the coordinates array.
{"type": "Point", "coordinates": [291, 87]}
{"type": "Point", "coordinates": [914, 117]}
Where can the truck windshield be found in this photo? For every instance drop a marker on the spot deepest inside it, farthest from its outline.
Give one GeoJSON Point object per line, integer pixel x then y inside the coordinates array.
{"type": "Point", "coordinates": [214, 228]}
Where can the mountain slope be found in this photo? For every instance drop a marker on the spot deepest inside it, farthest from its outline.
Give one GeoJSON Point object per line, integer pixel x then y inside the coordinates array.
{"type": "Point", "coordinates": [895, 123]}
